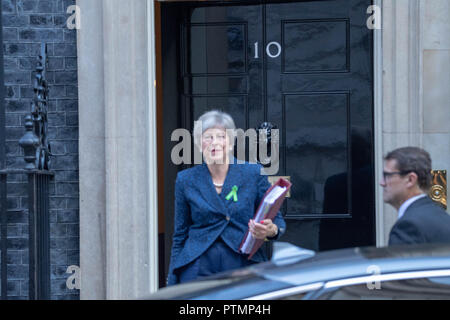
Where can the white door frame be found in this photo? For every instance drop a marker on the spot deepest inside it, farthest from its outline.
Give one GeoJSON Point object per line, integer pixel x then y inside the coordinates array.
{"type": "Point", "coordinates": [152, 203]}
{"type": "Point", "coordinates": [151, 140]}
{"type": "Point", "coordinates": [378, 127]}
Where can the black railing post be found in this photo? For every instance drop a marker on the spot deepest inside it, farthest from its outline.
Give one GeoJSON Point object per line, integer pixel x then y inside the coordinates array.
{"type": "Point", "coordinates": [33, 260]}
{"type": "Point", "coordinates": [39, 235]}
{"type": "Point", "coordinates": [4, 237]}
{"type": "Point", "coordinates": [3, 201]}
{"type": "Point", "coordinates": [37, 155]}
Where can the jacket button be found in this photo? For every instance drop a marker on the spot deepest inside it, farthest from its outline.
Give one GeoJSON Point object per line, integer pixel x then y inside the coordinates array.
{"type": "Point", "coordinates": [228, 218]}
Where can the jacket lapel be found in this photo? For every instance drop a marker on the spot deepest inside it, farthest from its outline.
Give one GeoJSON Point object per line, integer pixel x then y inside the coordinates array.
{"type": "Point", "coordinates": [217, 201]}
{"type": "Point", "coordinates": [234, 178]}
{"type": "Point", "coordinates": [208, 191]}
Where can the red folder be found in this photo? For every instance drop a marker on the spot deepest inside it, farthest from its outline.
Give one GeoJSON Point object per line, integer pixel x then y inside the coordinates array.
{"type": "Point", "coordinates": [271, 214]}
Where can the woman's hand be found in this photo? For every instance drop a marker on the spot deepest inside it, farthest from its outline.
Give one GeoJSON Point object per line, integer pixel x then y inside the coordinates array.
{"type": "Point", "coordinates": [265, 229]}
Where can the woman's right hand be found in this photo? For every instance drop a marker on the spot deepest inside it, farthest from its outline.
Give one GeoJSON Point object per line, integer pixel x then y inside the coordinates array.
{"type": "Point", "coordinates": [263, 230]}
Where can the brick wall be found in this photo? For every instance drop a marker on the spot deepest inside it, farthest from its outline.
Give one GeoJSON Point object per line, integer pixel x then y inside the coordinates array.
{"type": "Point", "coordinates": [25, 24]}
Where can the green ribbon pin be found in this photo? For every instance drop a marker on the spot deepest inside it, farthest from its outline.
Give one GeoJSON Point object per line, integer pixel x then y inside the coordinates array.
{"type": "Point", "coordinates": [233, 193]}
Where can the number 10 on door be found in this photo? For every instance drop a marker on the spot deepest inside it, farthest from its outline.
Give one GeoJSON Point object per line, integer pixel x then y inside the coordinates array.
{"type": "Point", "coordinates": [273, 50]}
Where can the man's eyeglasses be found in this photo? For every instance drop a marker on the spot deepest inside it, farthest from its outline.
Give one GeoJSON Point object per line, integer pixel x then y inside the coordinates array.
{"type": "Point", "coordinates": [388, 174]}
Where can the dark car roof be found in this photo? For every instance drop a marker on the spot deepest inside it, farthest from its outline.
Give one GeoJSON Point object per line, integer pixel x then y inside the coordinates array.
{"type": "Point", "coordinates": [344, 263]}
{"type": "Point", "coordinates": [322, 267]}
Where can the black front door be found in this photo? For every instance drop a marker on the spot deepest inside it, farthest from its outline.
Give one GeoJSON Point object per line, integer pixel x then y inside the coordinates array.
{"type": "Point", "coordinates": [305, 67]}
{"type": "Point", "coordinates": [319, 93]}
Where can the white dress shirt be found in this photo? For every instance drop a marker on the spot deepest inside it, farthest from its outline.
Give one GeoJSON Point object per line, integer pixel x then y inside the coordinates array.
{"type": "Point", "coordinates": [407, 203]}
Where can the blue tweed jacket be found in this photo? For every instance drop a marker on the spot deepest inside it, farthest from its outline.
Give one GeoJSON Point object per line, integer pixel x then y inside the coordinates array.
{"type": "Point", "coordinates": [202, 215]}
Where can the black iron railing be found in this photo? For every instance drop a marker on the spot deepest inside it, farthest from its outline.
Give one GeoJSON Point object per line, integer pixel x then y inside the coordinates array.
{"type": "Point", "coordinates": [4, 239]}
{"type": "Point", "coordinates": [37, 157]}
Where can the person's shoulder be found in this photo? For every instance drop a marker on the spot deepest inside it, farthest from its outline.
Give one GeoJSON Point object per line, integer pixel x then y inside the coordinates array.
{"type": "Point", "coordinates": [427, 214]}
{"type": "Point", "coordinates": [424, 206]}
{"type": "Point", "coordinates": [437, 211]}
{"type": "Point", "coordinates": [248, 168]}
{"type": "Point", "coordinates": [186, 174]}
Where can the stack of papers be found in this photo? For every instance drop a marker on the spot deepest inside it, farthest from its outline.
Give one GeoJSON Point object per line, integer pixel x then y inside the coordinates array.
{"type": "Point", "coordinates": [264, 208]}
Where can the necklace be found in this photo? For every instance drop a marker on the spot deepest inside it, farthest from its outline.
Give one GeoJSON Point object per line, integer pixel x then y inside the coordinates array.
{"type": "Point", "coordinates": [217, 185]}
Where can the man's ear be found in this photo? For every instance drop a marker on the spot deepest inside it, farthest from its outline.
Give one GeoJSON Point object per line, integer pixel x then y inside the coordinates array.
{"type": "Point", "coordinates": [412, 179]}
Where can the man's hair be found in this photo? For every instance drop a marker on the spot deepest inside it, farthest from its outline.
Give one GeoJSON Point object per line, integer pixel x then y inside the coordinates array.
{"type": "Point", "coordinates": [413, 159]}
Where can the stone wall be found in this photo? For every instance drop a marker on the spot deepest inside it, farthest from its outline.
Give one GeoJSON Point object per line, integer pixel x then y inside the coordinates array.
{"type": "Point", "coordinates": [415, 73]}
{"type": "Point", "coordinates": [435, 50]}
{"type": "Point", "coordinates": [26, 23]}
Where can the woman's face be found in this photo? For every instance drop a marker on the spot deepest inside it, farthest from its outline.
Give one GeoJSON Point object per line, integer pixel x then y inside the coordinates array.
{"type": "Point", "coordinates": [215, 145]}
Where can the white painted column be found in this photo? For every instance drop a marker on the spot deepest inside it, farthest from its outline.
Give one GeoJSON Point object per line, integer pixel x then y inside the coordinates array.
{"type": "Point", "coordinates": [401, 117]}
{"type": "Point", "coordinates": [415, 94]}
{"type": "Point", "coordinates": [436, 82]}
{"type": "Point", "coordinates": [91, 151]}
{"type": "Point", "coordinates": [128, 214]}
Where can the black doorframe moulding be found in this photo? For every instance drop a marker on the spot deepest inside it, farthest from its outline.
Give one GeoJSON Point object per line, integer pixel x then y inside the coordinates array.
{"type": "Point", "coordinates": [3, 201]}
{"type": "Point", "coordinates": [184, 117]}
{"type": "Point", "coordinates": [2, 102]}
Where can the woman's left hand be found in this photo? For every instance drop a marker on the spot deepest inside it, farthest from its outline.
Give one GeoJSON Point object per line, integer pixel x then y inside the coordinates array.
{"type": "Point", "coordinates": [265, 229]}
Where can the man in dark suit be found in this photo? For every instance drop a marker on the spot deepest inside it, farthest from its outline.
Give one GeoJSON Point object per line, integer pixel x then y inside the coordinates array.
{"type": "Point", "coordinates": [406, 180]}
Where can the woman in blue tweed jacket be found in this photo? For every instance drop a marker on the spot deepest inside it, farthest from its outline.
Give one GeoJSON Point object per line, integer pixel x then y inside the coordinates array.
{"type": "Point", "coordinates": [210, 220]}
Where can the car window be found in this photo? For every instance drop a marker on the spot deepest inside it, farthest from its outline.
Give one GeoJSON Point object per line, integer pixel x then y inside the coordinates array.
{"type": "Point", "coordinates": [436, 288]}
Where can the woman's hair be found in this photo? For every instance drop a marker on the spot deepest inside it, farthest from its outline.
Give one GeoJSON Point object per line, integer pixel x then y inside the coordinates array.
{"type": "Point", "coordinates": [213, 119]}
